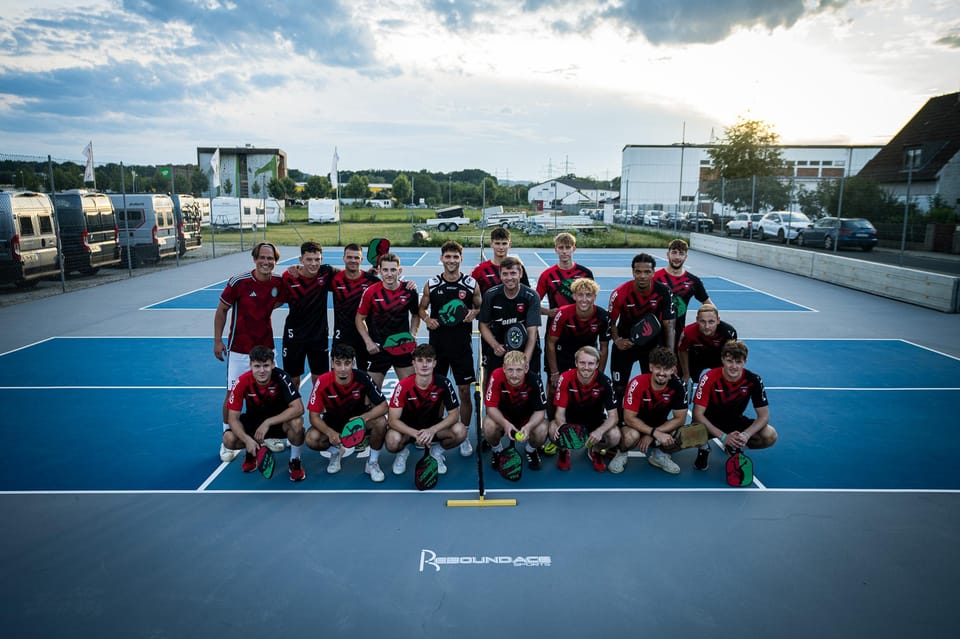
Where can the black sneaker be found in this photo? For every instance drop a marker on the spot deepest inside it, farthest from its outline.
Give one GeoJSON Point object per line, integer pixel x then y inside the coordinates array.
{"type": "Point", "coordinates": [495, 460]}
{"type": "Point", "coordinates": [702, 462]}
{"type": "Point", "coordinates": [533, 460]}
{"type": "Point", "coordinates": [485, 446]}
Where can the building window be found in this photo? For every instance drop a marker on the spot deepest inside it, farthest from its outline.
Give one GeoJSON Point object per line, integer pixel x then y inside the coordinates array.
{"type": "Point", "coordinates": [826, 163]}
{"type": "Point", "coordinates": [801, 162]}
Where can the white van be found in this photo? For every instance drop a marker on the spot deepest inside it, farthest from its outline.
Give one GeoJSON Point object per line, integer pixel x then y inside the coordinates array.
{"type": "Point", "coordinates": [147, 227]}
{"type": "Point", "coordinates": [225, 212]}
{"type": "Point", "coordinates": [29, 249]}
{"type": "Point", "coordinates": [88, 230]}
{"type": "Point", "coordinates": [321, 211]}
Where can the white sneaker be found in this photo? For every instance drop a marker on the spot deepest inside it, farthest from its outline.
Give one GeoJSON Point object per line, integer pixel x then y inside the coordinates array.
{"type": "Point", "coordinates": [363, 453]}
{"type": "Point", "coordinates": [466, 449]}
{"type": "Point", "coordinates": [618, 463]}
{"type": "Point", "coordinates": [275, 445]}
{"type": "Point", "coordinates": [663, 461]}
{"type": "Point", "coordinates": [441, 464]}
{"type": "Point", "coordinates": [373, 469]}
{"type": "Point", "coordinates": [227, 455]}
{"type": "Point", "coordinates": [400, 462]}
{"type": "Point", "coordinates": [334, 465]}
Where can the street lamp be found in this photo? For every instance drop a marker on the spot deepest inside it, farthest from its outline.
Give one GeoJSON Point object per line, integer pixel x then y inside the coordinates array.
{"type": "Point", "coordinates": [912, 157]}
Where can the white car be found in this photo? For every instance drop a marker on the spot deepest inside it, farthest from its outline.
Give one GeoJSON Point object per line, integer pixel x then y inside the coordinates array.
{"type": "Point", "coordinates": [743, 224]}
{"type": "Point", "coordinates": [783, 225]}
{"type": "Point", "coordinates": [651, 218]}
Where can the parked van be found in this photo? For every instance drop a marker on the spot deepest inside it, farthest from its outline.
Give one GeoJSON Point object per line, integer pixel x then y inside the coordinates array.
{"type": "Point", "coordinates": [203, 204]}
{"type": "Point", "coordinates": [186, 211]}
{"type": "Point", "coordinates": [148, 228]}
{"type": "Point", "coordinates": [225, 212]}
{"type": "Point", "coordinates": [88, 230]}
{"type": "Point", "coordinates": [28, 240]}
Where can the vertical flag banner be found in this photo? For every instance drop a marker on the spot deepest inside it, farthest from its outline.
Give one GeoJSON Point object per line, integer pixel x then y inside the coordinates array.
{"type": "Point", "coordinates": [215, 165]}
{"type": "Point", "coordinates": [88, 175]}
{"type": "Point", "coordinates": [334, 181]}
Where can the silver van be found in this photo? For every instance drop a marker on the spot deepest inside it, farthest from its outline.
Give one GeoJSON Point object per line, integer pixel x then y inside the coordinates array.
{"type": "Point", "coordinates": [147, 226]}
{"type": "Point", "coordinates": [88, 230]}
{"type": "Point", "coordinates": [29, 249]}
{"type": "Point", "coordinates": [186, 210]}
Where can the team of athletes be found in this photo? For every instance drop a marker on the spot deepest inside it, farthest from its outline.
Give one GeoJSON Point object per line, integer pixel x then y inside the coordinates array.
{"type": "Point", "coordinates": [377, 316]}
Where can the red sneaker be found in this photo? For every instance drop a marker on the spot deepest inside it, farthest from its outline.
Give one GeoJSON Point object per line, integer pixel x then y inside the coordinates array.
{"type": "Point", "coordinates": [599, 463]}
{"type": "Point", "coordinates": [296, 470]}
{"type": "Point", "coordinates": [249, 463]}
{"type": "Point", "coordinates": [563, 459]}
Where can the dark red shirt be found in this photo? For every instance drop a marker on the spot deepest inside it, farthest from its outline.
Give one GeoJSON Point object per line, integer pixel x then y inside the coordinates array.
{"type": "Point", "coordinates": [251, 302]}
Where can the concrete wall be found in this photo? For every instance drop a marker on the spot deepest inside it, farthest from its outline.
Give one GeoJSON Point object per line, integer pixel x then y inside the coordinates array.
{"type": "Point", "coordinates": [932, 290]}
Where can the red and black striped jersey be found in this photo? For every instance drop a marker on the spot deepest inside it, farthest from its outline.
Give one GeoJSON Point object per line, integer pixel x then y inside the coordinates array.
{"type": "Point", "coordinates": [251, 303]}
{"type": "Point", "coordinates": [346, 294]}
{"type": "Point", "coordinates": [572, 332]}
{"type": "Point", "coordinates": [554, 283]}
{"type": "Point", "coordinates": [651, 405]}
{"type": "Point", "coordinates": [725, 401]}
{"type": "Point", "coordinates": [388, 312]}
{"type": "Point", "coordinates": [264, 401]}
{"type": "Point", "coordinates": [628, 305]}
{"type": "Point", "coordinates": [423, 407]}
{"type": "Point", "coordinates": [339, 403]}
{"type": "Point", "coordinates": [585, 404]}
{"type": "Point", "coordinates": [517, 403]}
{"type": "Point", "coordinates": [307, 300]}
{"type": "Point", "coordinates": [487, 275]}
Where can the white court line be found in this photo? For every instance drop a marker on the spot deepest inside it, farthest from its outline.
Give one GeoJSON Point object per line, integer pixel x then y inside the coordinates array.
{"type": "Point", "coordinates": [147, 307]}
{"type": "Point", "coordinates": [498, 491]}
{"type": "Point", "coordinates": [782, 299]}
{"type": "Point", "coordinates": [905, 341]}
{"type": "Point", "coordinates": [868, 390]}
{"type": "Point", "coordinates": [112, 387]}
{"type": "Point", "coordinates": [545, 263]}
{"type": "Point", "coordinates": [222, 467]}
{"type": "Point", "coordinates": [28, 346]}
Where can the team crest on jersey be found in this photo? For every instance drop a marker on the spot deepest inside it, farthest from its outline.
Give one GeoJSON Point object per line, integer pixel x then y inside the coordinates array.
{"type": "Point", "coordinates": [524, 395]}
{"type": "Point", "coordinates": [595, 392]}
{"type": "Point", "coordinates": [434, 396]}
{"type": "Point", "coordinates": [521, 308]}
{"type": "Point", "coordinates": [594, 327]}
{"type": "Point", "coordinates": [355, 393]}
{"type": "Point", "coordinates": [462, 294]}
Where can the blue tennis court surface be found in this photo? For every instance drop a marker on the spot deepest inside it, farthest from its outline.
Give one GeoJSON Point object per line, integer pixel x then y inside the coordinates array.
{"type": "Point", "coordinates": [143, 414]}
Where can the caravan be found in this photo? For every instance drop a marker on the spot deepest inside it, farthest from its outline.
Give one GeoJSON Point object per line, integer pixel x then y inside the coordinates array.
{"type": "Point", "coordinates": [225, 213]}
{"type": "Point", "coordinates": [28, 241]}
{"type": "Point", "coordinates": [323, 211]}
{"type": "Point", "coordinates": [88, 230]}
{"type": "Point", "coordinates": [148, 229]}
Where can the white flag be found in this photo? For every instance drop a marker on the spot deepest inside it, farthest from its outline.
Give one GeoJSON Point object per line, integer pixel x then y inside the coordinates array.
{"type": "Point", "coordinates": [334, 176]}
{"type": "Point", "coordinates": [88, 170]}
{"type": "Point", "coordinates": [215, 165]}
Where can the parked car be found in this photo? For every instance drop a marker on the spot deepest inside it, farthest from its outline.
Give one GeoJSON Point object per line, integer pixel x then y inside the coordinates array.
{"type": "Point", "coordinates": [652, 218]}
{"type": "Point", "coordinates": [783, 225]}
{"type": "Point", "coordinates": [670, 219]}
{"type": "Point", "coordinates": [699, 222]}
{"type": "Point", "coordinates": [743, 224]}
{"type": "Point", "coordinates": [851, 231]}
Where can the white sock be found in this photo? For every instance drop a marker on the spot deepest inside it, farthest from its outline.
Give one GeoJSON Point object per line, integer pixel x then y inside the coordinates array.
{"type": "Point", "coordinates": [529, 448]}
{"type": "Point", "coordinates": [498, 448]}
{"type": "Point", "coordinates": [294, 452]}
{"type": "Point", "coordinates": [374, 456]}
{"type": "Point", "coordinates": [436, 450]}
{"type": "Point", "coordinates": [226, 427]}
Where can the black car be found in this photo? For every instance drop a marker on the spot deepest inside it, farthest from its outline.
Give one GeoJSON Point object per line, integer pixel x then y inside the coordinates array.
{"type": "Point", "coordinates": [851, 231]}
{"type": "Point", "coordinates": [697, 222]}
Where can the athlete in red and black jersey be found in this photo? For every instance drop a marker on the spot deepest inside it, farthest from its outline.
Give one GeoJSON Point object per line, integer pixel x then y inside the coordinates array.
{"type": "Point", "coordinates": [509, 310]}
{"type": "Point", "coordinates": [584, 396]}
{"type": "Point", "coordinates": [340, 396]}
{"type": "Point", "coordinates": [654, 407]}
{"type": "Point", "coordinates": [721, 401]}
{"type": "Point", "coordinates": [628, 303]}
{"type": "Point", "coordinates": [684, 285]}
{"type": "Point", "coordinates": [384, 312]}
{"type": "Point", "coordinates": [424, 408]}
{"type": "Point", "coordinates": [347, 287]}
{"type": "Point", "coordinates": [305, 331]}
{"type": "Point", "coordinates": [487, 274]}
{"type": "Point", "coordinates": [582, 323]}
{"type": "Point", "coordinates": [700, 342]}
{"type": "Point", "coordinates": [553, 285]}
{"type": "Point", "coordinates": [274, 410]}
{"type": "Point", "coordinates": [515, 403]}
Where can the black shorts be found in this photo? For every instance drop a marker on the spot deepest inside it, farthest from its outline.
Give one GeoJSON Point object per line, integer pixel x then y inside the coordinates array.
{"type": "Point", "coordinates": [459, 359]}
{"type": "Point", "coordinates": [251, 423]}
{"type": "Point", "coordinates": [363, 358]}
{"type": "Point", "coordinates": [621, 363]}
{"type": "Point", "coordinates": [382, 361]}
{"type": "Point", "coordinates": [316, 353]}
{"type": "Point", "coordinates": [732, 425]}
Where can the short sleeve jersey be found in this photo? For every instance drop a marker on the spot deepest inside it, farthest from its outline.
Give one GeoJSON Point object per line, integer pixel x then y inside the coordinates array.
{"type": "Point", "coordinates": [338, 403]}
{"type": "Point", "coordinates": [251, 302]}
{"type": "Point", "coordinates": [628, 305]}
{"type": "Point", "coordinates": [517, 403]}
{"type": "Point", "coordinates": [588, 403]}
{"type": "Point", "coordinates": [500, 312]}
{"type": "Point", "coordinates": [346, 299]}
{"type": "Point", "coordinates": [307, 300]}
{"type": "Point", "coordinates": [263, 401]}
{"type": "Point", "coordinates": [726, 402]}
{"type": "Point", "coordinates": [705, 351]}
{"type": "Point", "coordinates": [423, 407]}
{"type": "Point", "coordinates": [554, 283]}
{"type": "Point", "coordinates": [686, 286]}
{"type": "Point", "coordinates": [444, 296]}
{"type": "Point", "coordinates": [572, 332]}
{"type": "Point", "coordinates": [651, 405]}
{"type": "Point", "coordinates": [487, 275]}
{"type": "Point", "coordinates": [388, 312]}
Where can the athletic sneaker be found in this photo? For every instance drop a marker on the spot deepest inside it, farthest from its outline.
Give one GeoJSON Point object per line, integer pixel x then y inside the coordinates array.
{"type": "Point", "coordinates": [618, 463]}
{"type": "Point", "coordinates": [533, 460]}
{"type": "Point", "coordinates": [441, 463]}
{"type": "Point", "coordinates": [466, 449]}
{"type": "Point", "coordinates": [275, 445]}
{"type": "Point", "coordinates": [549, 449]}
{"type": "Point", "coordinates": [400, 462]}
{"type": "Point", "coordinates": [373, 469]}
{"type": "Point", "coordinates": [563, 459]}
{"type": "Point", "coordinates": [599, 463]}
{"type": "Point", "coordinates": [702, 462]}
{"type": "Point", "coordinates": [249, 463]}
{"type": "Point", "coordinates": [363, 452]}
{"type": "Point", "coordinates": [296, 470]}
{"type": "Point", "coordinates": [663, 461]}
{"type": "Point", "coordinates": [333, 466]}
{"type": "Point", "coordinates": [227, 455]}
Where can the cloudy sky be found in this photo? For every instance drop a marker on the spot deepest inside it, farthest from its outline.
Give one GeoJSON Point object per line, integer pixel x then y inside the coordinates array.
{"type": "Point", "coordinates": [525, 89]}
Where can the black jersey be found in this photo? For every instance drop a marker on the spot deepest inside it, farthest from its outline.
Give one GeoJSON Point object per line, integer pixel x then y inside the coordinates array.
{"type": "Point", "coordinates": [307, 299]}
{"type": "Point", "coordinates": [445, 297]}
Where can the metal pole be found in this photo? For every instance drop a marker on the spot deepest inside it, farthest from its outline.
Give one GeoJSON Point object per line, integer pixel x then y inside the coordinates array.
{"type": "Point", "coordinates": [683, 143]}
{"type": "Point", "coordinates": [56, 228]}
{"type": "Point", "coordinates": [126, 219]}
{"type": "Point", "coordinates": [843, 180]}
{"type": "Point", "coordinates": [906, 207]}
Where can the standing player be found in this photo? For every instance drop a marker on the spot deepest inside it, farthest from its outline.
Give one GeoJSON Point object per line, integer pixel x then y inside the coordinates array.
{"type": "Point", "coordinates": [628, 303]}
{"type": "Point", "coordinates": [385, 310]}
{"type": "Point", "coordinates": [684, 285]}
{"type": "Point", "coordinates": [339, 396]}
{"type": "Point", "coordinates": [582, 323]}
{"type": "Point", "coordinates": [347, 287]}
{"type": "Point", "coordinates": [515, 404]}
{"type": "Point", "coordinates": [721, 400]}
{"type": "Point", "coordinates": [250, 297]}
{"type": "Point", "coordinates": [274, 410]}
{"type": "Point", "coordinates": [305, 331]}
{"type": "Point", "coordinates": [554, 283]}
{"type": "Point", "coordinates": [417, 410]}
{"type": "Point", "coordinates": [487, 274]}
{"type": "Point", "coordinates": [585, 396]}
{"type": "Point", "coordinates": [647, 407]}
{"type": "Point", "coordinates": [509, 310]}
{"type": "Point", "coordinates": [445, 298]}
{"type": "Point", "coordinates": [700, 342]}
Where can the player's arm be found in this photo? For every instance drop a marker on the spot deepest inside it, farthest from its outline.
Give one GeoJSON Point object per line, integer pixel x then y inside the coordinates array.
{"type": "Point", "coordinates": [538, 417]}
{"type": "Point", "coordinates": [671, 336]}
{"type": "Point", "coordinates": [375, 411]}
{"type": "Point", "coordinates": [361, 324]}
{"type": "Point", "coordinates": [424, 310]}
{"type": "Point", "coordinates": [604, 353]}
{"type": "Point", "coordinates": [490, 340]}
{"type": "Point", "coordinates": [684, 357]}
{"type": "Point", "coordinates": [533, 338]}
{"type": "Point", "coordinates": [316, 421]}
{"type": "Point", "coordinates": [608, 423]}
{"type": "Point", "coordinates": [414, 309]}
{"type": "Point", "coordinates": [233, 420]}
{"type": "Point", "coordinates": [495, 415]}
{"type": "Point", "coordinates": [740, 439]}
{"type": "Point", "coordinates": [219, 323]}
{"type": "Point", "coordinates": [477, 301]}
{"type": "Point", "coordinates": [550, 354]}
{"type": "Point", "coordinates": [559, 419]}
{"type": "Point", "coordinates": [293, 410]}
{"type": "Point", "coordinates": [398, 424]}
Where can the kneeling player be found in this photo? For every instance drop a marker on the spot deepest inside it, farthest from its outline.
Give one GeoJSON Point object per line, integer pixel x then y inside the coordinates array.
{"type": "Point", "coordinates": [417, 413]}
{"type": "Point", "coordinates": [274, 411]}
{"type": "Point", "coordinates": [516, 407]}
{"type": "Point", "coordinates": [585, 396]}
{"type": "Point", "coordinates": [647, 408]}
{"type": "Point", "coordinates": [340, 396]}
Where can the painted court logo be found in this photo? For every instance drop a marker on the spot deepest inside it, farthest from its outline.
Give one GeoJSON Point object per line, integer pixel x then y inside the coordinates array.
{"type": "Point", "coordinates": [429, 558]}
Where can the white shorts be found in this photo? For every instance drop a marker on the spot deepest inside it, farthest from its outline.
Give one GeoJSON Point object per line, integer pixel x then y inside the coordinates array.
{"type": "Point", "coordinates": [237, 365]}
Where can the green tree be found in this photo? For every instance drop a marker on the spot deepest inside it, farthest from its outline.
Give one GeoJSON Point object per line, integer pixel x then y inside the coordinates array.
{"type": "Point", "coordinates": [425, 187]}
{"type": "Point", "coordinates": [401, 188]}
{"type": "Point", "coordinates": [358, 187]}
{"type": "Point", "coordinates": [862, 197]}
{"type": "Point", "coordinates": [198, 181]}
{"type": "Point", "coordinates": [275, 189]}
{"type": "Point", "coordinates": [748, 150]}
{"type": "Point", "coordinates": [318, 186]}
{"type": "Point", "coordinates": [289, 188]}
{"type": "Point", "coordinates": [227, 187]}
